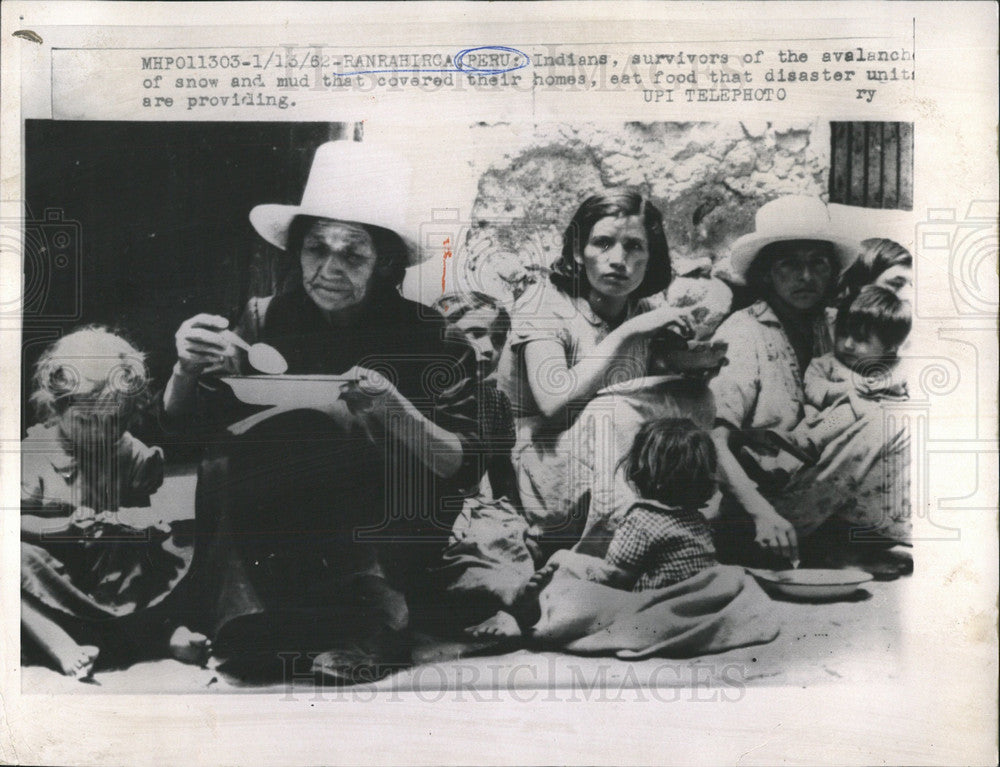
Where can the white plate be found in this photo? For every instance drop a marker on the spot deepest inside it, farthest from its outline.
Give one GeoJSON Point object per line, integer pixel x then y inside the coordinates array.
{"type": "Point", "coordinates": [813, 584]}
{"type": "Point", "coordinates": [634, 385]}
{"type": "Point", "coordinates": [289, 391]}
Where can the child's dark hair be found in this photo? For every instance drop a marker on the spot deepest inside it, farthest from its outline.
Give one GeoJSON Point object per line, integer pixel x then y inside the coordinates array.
{"type": "Point", "coordinates": [874, 310]}
{"type": "Point", "coordinates": [454, 306]}
{"type": "Point", "coordinates": [672, 461]}
{"type": "Point", "coordinates": [569, 275]}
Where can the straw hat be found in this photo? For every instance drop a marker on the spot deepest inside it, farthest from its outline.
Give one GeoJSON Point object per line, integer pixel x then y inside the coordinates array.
{"type": "Point", "coordinates": [348, 181]}
{"type": "Point", "coordinates": [795, 217]}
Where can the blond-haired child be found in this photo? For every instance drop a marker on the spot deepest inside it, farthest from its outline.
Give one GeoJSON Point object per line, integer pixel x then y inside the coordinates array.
{"type": "Point", "coordinates": [81, 568]}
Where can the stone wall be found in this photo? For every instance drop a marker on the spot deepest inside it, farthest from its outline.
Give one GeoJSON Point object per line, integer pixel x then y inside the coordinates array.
{"type": "Point", "coordinates": [708, 179]}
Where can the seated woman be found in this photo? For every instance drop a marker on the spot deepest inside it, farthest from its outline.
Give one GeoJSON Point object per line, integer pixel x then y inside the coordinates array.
{"type": "Point", "coordinates": [791, 264]}
{"type": "Point", "coordinates": [588, 329]}
{"type": "Point", "coordinates": [317, 528]}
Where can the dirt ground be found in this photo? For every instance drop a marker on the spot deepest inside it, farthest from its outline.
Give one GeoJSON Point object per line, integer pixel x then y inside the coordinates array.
{"type": "Point", "coordinates": [852, 640]}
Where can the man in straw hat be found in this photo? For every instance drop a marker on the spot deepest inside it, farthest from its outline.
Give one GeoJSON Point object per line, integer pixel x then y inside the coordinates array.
{"type": "Point", "coordinates": [850, 504]}
{"type": "Point", "coordinates": [790, 263]}
{"type": "Point", "coordinates": [320, 522]}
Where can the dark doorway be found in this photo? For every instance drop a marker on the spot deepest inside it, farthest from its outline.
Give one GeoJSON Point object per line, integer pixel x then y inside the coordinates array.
{"type": "Point", "coordinates": [140, 225]}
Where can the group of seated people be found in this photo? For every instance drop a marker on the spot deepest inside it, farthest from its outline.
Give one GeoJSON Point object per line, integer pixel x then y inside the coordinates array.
{"type": "Point", "coordinates": [469, 455]}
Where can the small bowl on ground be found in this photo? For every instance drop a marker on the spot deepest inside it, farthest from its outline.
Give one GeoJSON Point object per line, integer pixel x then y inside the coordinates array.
{"type": "Point", "coordinates": [813, 584]}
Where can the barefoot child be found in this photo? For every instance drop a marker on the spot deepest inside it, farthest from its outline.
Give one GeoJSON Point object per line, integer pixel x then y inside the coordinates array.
{"type": "Point", "coordinates": [83, 572]}
{"type": "Point", "coordinates": [485, 324]}
{"type": "Point", "coordinates": [662, 539]}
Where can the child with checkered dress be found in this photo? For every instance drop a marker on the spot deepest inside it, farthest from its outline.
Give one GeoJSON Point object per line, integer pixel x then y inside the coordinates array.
{"type": "Point", "coordinates": [664, 538]}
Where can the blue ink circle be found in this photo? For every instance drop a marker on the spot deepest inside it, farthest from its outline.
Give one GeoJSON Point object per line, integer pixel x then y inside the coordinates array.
{"type": "Point", "coordinates": [461, 67]}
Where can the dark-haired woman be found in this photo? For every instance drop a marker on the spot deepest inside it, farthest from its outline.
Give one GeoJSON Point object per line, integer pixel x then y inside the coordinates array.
{"type": "Point", "coordinates": [882, 262]}
{"type": "Point", "coordinates": [317, 528]}
{"type": "Point", "coordinates": [590, 327]}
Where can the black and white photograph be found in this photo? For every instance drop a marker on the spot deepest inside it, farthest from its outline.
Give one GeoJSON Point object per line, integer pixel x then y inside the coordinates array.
{"type": "Point", "coordinates": [647, 414]}
{"type": "Point", "coordinates": [553, 408]}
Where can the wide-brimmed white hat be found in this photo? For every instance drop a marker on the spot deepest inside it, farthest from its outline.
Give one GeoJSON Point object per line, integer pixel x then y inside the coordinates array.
{"type": "Point", "coordinates": [348, 181]}
{"type": "Point", "coordinates": [795, 217]}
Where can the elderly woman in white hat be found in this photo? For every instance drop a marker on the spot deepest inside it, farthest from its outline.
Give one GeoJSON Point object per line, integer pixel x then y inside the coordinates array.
{"type": "Point", "coordinates": [790, 263]}
{"type": "Point", "coordinates": [320, 522]}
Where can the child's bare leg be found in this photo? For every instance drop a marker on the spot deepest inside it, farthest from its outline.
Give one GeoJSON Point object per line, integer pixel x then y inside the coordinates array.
{"type": "Point", "coordinates": [523, 613]}
{"type": "Point", "coordinates": [72, 659]}
{"type": "Point", "coordinates": [189, 646]}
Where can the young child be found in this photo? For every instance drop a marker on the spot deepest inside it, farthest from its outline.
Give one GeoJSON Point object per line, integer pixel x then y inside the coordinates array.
{"type": "Point", "coordinates": [662, 539]}
{"type": "Point", "coordinates": [485, 324]}
{"type": "Point", "coordinates": [863, 370]}
{"type": "Point", "coordinates": [82, 570]}
{"type": "Point", "coordinates": [491, 552]}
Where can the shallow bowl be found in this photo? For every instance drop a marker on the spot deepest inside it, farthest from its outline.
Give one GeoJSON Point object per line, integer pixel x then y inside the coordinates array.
{"type": "Point", "coordinates": [299, 391]}
{"type": "Point", "coordinates": [699, 355]}
{"type": "Point", "coordinates": [636, 385]}
{"type": "Point", "coordinates": [813, 584]}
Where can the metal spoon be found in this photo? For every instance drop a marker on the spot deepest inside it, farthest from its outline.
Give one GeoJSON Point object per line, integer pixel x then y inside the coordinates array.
{"type": "Point", "coordinates": [262, 357]}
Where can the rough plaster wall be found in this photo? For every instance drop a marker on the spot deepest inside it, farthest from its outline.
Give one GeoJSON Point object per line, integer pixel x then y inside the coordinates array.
{"type": "Point", "coordinates": [708, 179]}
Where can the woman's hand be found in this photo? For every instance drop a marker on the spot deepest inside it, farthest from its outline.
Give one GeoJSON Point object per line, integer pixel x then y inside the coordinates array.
{"type": "Point", "coordinates": [663, 317]}
{"type": "Point", "coordinates": [146, 476]}
{"type": "Point", "coordinates": [201, 345]}
{"type": "Point", "coordinates": [83, 518]}
{"type": "Point", "coordinates": [774, 533]}
{"type": "Point", "coordinates": [370, 395]}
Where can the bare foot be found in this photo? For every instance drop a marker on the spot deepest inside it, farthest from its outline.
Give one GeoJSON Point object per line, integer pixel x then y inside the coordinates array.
{"type": "Point", "coordinates": [503, 625]}
{"type": "Point", "coordinates": [79, 662]}
{"type": "Point", "coordinates": [189, 646]}
{"type": "Point", "coordinates": [523, 613]}
{"type": "Point", "coordinates": [71, 659]}
{"type": "Point", "coordinates": [539, 580]}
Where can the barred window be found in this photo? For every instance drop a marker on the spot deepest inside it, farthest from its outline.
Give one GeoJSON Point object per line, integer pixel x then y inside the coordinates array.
{"type": "Point", "coordinates": [871, 164]}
